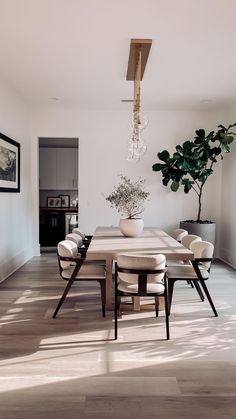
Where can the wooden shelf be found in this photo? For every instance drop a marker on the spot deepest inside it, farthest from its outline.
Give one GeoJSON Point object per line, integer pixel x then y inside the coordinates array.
{"type": "Point", "coordinates": [137, 45]}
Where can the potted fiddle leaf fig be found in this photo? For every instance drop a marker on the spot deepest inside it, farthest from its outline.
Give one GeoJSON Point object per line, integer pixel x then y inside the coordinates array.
{"type": "Point", "coordinates": [128, 198]}
{"type": "Point", "coordinates": [189, 168]}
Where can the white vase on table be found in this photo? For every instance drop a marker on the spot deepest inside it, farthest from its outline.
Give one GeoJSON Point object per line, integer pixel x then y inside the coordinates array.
{"type": "Point", "coordinates": [131, 227]}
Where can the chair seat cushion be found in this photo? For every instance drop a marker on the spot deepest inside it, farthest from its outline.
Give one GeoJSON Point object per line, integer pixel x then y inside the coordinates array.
{"type": "Point", "coordinates": [155, 288]}
{"type": "Point", "coordinates": [87, 271]}
{"type": "Point", "coordinates": [185, 272]}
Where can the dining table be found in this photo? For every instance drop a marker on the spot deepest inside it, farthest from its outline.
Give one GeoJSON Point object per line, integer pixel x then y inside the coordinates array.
{"type": "Point", "coordinates": [108, 242]}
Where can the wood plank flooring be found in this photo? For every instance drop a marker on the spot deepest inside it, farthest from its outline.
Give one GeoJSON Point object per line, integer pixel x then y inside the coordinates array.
{"type": "Point", "coordinates": [70, 367]}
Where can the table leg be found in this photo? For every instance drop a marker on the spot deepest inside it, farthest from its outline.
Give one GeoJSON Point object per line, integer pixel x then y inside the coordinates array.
{"type": "Point", "coordinates": [136, 303]}
{"type": "Point", "coordinates": [109, 263]}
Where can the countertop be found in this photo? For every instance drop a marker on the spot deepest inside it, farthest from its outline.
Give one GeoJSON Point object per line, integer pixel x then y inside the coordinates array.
{"type": "Point", "coordinates": [70, 209]}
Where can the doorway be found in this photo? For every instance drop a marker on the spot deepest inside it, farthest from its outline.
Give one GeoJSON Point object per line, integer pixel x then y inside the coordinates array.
{"type": "Point", "coordinates": [58, 189]}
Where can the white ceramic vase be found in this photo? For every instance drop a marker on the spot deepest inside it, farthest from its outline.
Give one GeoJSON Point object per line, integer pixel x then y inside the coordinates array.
{"type": "Point", "coordinates": [131, 227]}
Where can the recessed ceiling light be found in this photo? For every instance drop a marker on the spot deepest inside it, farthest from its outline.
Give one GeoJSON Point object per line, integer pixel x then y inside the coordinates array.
{"type": "Point", "coordinates": [205, 101]}
{"type": "Point", "coordinates": [53, 98]}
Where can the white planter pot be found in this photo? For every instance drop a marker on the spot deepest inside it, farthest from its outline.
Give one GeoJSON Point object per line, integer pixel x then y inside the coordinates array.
{"type": "Point", "coordinates": [131, 227]}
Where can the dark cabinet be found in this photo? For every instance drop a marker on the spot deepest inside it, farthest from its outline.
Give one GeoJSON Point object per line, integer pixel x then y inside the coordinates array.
{"type": "Point", "coordinates": [52, 227]}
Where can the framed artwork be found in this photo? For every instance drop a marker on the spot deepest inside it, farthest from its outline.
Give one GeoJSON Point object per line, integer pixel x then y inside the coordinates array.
{"type": "Point", "coordinates": [53, 202]}
{"type": "Point", "coordinates": [65, 201]}
{"type": "Point", "coordinates": [9, 165]}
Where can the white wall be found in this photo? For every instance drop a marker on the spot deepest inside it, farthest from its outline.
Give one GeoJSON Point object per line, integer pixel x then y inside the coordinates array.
{"type": "Point", "coordinates": [15, 208]}
{"type": "Point", "coordinates": [103, 139]}
{"type": "Point", "coordinates": [228, 203]}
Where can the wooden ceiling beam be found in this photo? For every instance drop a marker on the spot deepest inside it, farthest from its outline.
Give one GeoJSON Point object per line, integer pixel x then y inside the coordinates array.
{"type": "Point", "coordinates": [137, 46]}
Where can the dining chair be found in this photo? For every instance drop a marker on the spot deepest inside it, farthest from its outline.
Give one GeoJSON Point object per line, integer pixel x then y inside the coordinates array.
{"type": "Point", "coordinates": [141, 275]}
{"type": "Point", "coordinates": [178, 234]}
{"type": "Point", "coordinates": [75, 238]}
{"type": "Point", "coordinates": [187, 241]}
{"type": "Point", "coordinates": [86, 238]}
{"type": "Point", "coordinates": [198, 272]}
{"type": "Point", "coordinates": [74, 267]}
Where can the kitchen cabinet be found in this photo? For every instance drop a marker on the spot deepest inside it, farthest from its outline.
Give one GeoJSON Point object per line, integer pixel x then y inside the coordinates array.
{"type": "Point", "coordinates": [58, 168]}
{"type": "Point", "coordinates": [47, 168]}
{"type": "Point", "coordinates": [52, 227]}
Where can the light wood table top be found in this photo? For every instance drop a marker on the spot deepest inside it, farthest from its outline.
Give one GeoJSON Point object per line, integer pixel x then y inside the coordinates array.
{"type": "Point", "coordinates": [108, 242]}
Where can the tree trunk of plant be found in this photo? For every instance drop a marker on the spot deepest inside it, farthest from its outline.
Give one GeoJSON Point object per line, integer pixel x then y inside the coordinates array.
{"type": "Point", "coordinates": [199, 205]}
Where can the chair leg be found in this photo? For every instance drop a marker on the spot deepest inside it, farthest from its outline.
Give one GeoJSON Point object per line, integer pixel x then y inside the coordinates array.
{"type": "Point", "coordinates": [167, 316]}
{"type": "Point", "coordinates": [67, 288]}
{"type": "Point", "coordinates": [189, 283]}
{"type": "Point", "coordinates": [198, 289]}
{"type": "Point", "coordinates": [171, 284]}
{"type": "Point", "coordinates": [157, 305]}
{"type": "Point", "coordinates": [203, 284]}
{"type": "Point", "coordinates": [103, 296]}
{"type": "Point", "coordinates": [116, 313]}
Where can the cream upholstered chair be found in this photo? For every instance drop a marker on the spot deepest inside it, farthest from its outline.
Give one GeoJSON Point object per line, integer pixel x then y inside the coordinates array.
{"type": "Point", "coordinates": [86, 239]}
{"type": "Point", "coordinates": [178, 234]}
{"type": "Point", "coordinates": [188, 239]}
{"type": "Point", "coordinates": [140, 275]}
{"type": "Point", "coordinates": [73, 267]}
{"type": "Point", "coordinates": [198, 272]}
{"type": "Point", "coordinates": [82, 248]}
{"type": "Point", "coordinates": [75, 238]}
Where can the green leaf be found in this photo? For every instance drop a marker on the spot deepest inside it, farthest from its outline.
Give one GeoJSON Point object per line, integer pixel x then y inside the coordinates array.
{"type": "Point", "coordinates": [176, 156]}
{"type": "Point", "coordinates": [166, 180]}
{"type": "Point", "coordinates": [179, 149]}
{"type": "Point", "coordinates": [157, 167]}
{"type": "Point", "coordinates": [229, 139]}
{"type": "Point", "coordinates": [187, 187]}
{"type": "Point", "coordinates": [174, 186]}
{"type": "Point", "coordinates": [200, 133]}
{"type": "Point", "coordinates": [226, 148]}
{"type": "Point", "coordinates": [187, 147]}
{"type": "Point", "coordinates": [164, 155]}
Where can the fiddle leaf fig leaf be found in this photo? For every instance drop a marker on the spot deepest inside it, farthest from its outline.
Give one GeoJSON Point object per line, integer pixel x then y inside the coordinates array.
{"type": "Point", "coordinates": [158, 166]}
{"type": "Point", "coordinates": [166, 180]}
{"type": "Point", "coordinates": [226, 148]}
{"type": "Point", "coordinates": [200, 134]}
{"type": "Point", "coordinates": [174, 186]}
{"type": "Point", "coordinates": [164, 155]}
{"type": "Point", "coordinates": [179, 149]}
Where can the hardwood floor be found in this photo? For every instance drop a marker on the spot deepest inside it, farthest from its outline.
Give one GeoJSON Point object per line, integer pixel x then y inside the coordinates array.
{"type": "Point", "coordinates": [70, 367]}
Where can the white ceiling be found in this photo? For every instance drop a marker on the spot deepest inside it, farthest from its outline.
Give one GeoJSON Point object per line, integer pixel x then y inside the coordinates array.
{"type": "Point", "coordinates": [77, 51]}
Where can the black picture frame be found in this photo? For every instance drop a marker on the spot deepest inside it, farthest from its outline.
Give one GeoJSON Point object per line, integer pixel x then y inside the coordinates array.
{"type": "Point", "coordinates": [65, 201]}
{"type": "Point", "coordinates": [9, 164]}
{"type": "Point", "coordinates": [53, 202]}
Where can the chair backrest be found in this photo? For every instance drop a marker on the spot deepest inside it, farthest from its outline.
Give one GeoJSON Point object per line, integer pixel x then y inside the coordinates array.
{"type": "Point", "coordinates": [75, 238]}
{"type": "Point", "coordinates": [77, 231]}
{"type": "Point", "coordinates": [141, 262]}
{"type": "Point", "coordinates": [203, 249]}
{"type": "Point", "coordinates": [190, 238]}
{"type": "Point", "coordinates": [178, 234]}
{"type": "Point", "coordinates": [66, 248]}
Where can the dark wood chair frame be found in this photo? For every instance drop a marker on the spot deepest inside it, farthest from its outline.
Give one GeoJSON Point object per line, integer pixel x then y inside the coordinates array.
{"type": "Point", "coordinates": [78, 263]}
{"type": "Point", "coordinates": [195, 285]}
{"type": "Point", "coordinates": [196, 281]}
{"type": "Point", "coordinates": [142, 292]}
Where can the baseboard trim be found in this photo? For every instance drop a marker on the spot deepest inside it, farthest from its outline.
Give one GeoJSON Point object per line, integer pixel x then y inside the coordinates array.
{"type": "Point", "coordinates": [10, 266]}
{"type": "Point", "coordinates": [227, 263]}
